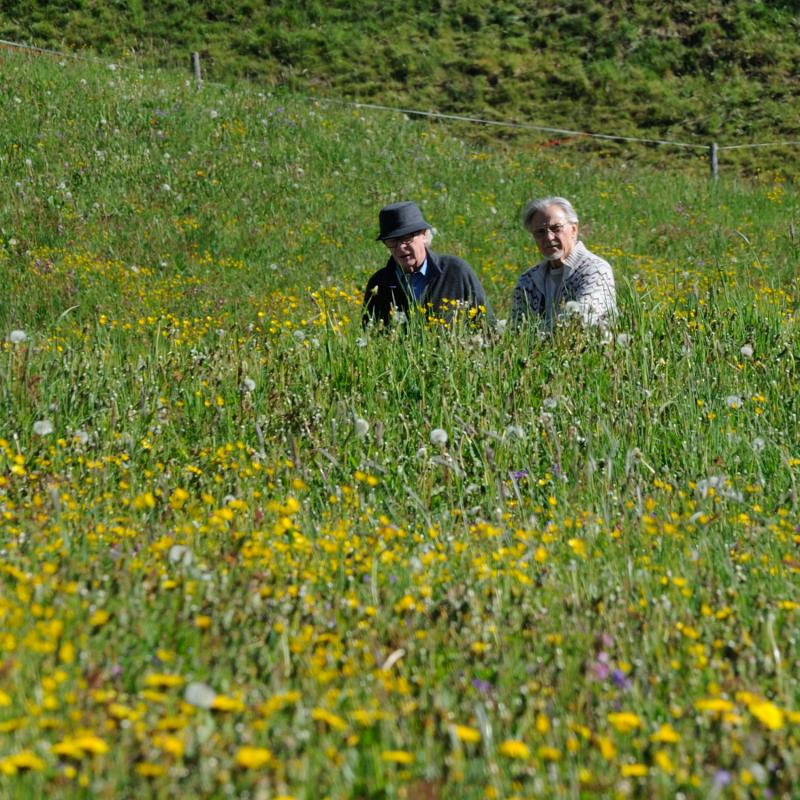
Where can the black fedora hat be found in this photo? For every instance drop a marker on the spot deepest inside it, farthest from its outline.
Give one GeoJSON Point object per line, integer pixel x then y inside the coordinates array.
{"type": "Point", "coordinates": [400, 219]}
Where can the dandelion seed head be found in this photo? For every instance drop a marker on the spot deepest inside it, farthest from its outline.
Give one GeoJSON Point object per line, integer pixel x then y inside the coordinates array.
{"type": "Point", "coordinates": [17, 336]}
{"type": "Point", "coordinates": [747, 351]}
{"type": "Point", "coordinates": [515, 432]}
{"type": "Point", "coordinates": [733, 401]}
{"type": "Point", "coordinates": [199, 695]}
{"type": "Point", "coordinates": [180, 554]}
{"type": "Point", "coordinates": [43, 427]}
{"type": "Point", "coordinates": [439, 437]}
{"type": "Point", "coordinates": [361, 427]}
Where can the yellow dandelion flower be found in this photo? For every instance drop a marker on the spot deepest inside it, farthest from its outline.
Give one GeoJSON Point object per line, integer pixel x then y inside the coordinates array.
{"type": "Point", "coordinates": [66, 653]}
{"type": "Point", "coordinates": [715, 705]}
{"type": "Point", "coordinates": [331, 720]}
{"type": "Point", "coordinates": [768, 714]}
{"type": "Point", "coordinates": [514, 748]}
{"type": "Point", "coordinates": [624, 721]}
{"type": "Point", "coordinates": [80, 746]}
{"type": "Point", "coordinates": [633, 771]}
{"type": "Point", "coordinates": [664, 762]}
{"type": "Point", "coordinates": [253, 757]}
{"type": "Point", "coordinates": [547, 753]}
{"type": "Point", "coordinates": [5, 700]}
{"type": "Point", "coordinates": [666, 734]}
{"type": "Point", "coordinates": [466, 734]}
{"type": "Point", "coordinates": [164, 681]}
{"type": "Point", "coordinates": [148, 770]}
{"type": "Point", "coordinates": [7, 767]}
{"type": "Point", "coordinates": [172, 745]}
{"type": "Point", "coordinates": [607, 748]}
{"type": "Point", "coordinates": [92, 744]}
{"type": "Point", "coordinates": [224, 703]}
{"type": "Point", "coordinates": [578, 547]}
{"type": "Point", "coordinates": [27, 759]}
{"type": "Point", "coordinates": [397, 757]}
{"type": "Point", "coordinates": [542, 723]}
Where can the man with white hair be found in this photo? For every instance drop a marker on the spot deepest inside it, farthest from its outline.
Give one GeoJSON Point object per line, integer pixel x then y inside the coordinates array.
{"type": "Point", "coordinates": [444, 286]}
{"type": "Point", "coordinates": [570, 279]}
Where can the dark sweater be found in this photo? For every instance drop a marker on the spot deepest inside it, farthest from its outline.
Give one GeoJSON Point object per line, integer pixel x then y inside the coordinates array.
{"type": "Point", "coordinates": [449, 278]}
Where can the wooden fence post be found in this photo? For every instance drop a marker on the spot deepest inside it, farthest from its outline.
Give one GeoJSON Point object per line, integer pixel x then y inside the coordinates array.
{"type": "Point", "coordinates": [198, 79]}
{"type": "Point", "coordinates": [713, 161]}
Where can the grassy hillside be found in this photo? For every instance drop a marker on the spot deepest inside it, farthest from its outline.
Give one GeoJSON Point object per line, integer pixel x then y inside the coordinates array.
{"type": "Point", "coordinates": [724, 70]}
{"type": "Point", "coordinates": [250, 549]}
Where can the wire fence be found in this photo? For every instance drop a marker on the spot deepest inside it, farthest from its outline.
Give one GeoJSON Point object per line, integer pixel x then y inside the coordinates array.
{"type": "Point", "coordinates": [711, 148]}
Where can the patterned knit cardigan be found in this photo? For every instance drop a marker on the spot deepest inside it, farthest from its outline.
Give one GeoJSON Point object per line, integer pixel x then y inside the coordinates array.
{"type": "Point", "coordinates": [588, 287]}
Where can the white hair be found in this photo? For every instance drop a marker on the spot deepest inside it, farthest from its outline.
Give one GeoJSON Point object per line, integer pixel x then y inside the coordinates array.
{"type": "Point", "coordinates": [542, 204]}
{"type": "Point", "coordinates": [428, 236]}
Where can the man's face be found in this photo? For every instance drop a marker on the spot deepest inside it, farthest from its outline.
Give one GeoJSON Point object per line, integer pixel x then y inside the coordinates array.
{"type": "Point", "coordinates": [554, 236]}
{"type": "Point", "coordinates": [408, 251]}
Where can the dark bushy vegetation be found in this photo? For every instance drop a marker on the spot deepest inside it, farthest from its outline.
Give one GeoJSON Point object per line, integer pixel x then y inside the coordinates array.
{"type": "Point", "coordinates": [694, 71]}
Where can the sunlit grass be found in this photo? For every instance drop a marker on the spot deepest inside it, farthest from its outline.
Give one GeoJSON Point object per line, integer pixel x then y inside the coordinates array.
{"type": "Point", "coordinates": [248, 548]}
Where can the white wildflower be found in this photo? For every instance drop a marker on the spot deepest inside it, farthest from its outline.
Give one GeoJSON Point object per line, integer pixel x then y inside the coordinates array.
{"type": "Point", "coordinates": [199, 695]}
{"type": "Point", "coordinates": [719, 485]}
{"type": "Point", "coordinates": [180, 554]}
{"type": "Point", "coordinates": [439, 436]}
{"type": "Point", "coordinates": [515, 432]}
{"type": "Point", "coordinates": [361, 426]}
{"type": "Point", "coordinates": [43, 427]}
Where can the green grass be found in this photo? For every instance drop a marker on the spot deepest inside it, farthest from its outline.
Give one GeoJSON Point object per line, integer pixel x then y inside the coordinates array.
{"type": "Point", "coordinates": [610, 528]}
{"type": "Point", "coordinates": [689, 71]}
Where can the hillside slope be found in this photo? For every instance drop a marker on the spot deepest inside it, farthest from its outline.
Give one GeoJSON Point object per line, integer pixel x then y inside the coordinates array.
{"type": "Point", "coordinates": [693, 71]}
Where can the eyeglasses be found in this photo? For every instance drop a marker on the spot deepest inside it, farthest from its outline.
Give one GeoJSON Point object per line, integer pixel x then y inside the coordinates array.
{"type": "Point", "coordinates": [407, 239]}
{"type": "Point", "coordinates": [556, 229]}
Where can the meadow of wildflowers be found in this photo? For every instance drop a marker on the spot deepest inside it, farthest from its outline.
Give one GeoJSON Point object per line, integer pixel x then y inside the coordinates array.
{"type": "Point", "coordinates": [248, 549]}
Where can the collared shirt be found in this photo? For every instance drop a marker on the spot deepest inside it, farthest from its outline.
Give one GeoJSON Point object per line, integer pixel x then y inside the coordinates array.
{"type": "Point", "coordinates": [417, 281]}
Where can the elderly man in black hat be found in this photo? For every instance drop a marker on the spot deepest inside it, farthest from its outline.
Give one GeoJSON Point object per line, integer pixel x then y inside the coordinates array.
{"type": "Point", "coordinates": [416, 276]}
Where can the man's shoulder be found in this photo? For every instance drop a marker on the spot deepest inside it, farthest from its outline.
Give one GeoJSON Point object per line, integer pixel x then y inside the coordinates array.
{"type": "Point", "coordinates": [586, 260]}
{"type": "Point", "coordinates": [384, 276]}
{"type": "Point", "coordinates": [450, 264]}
